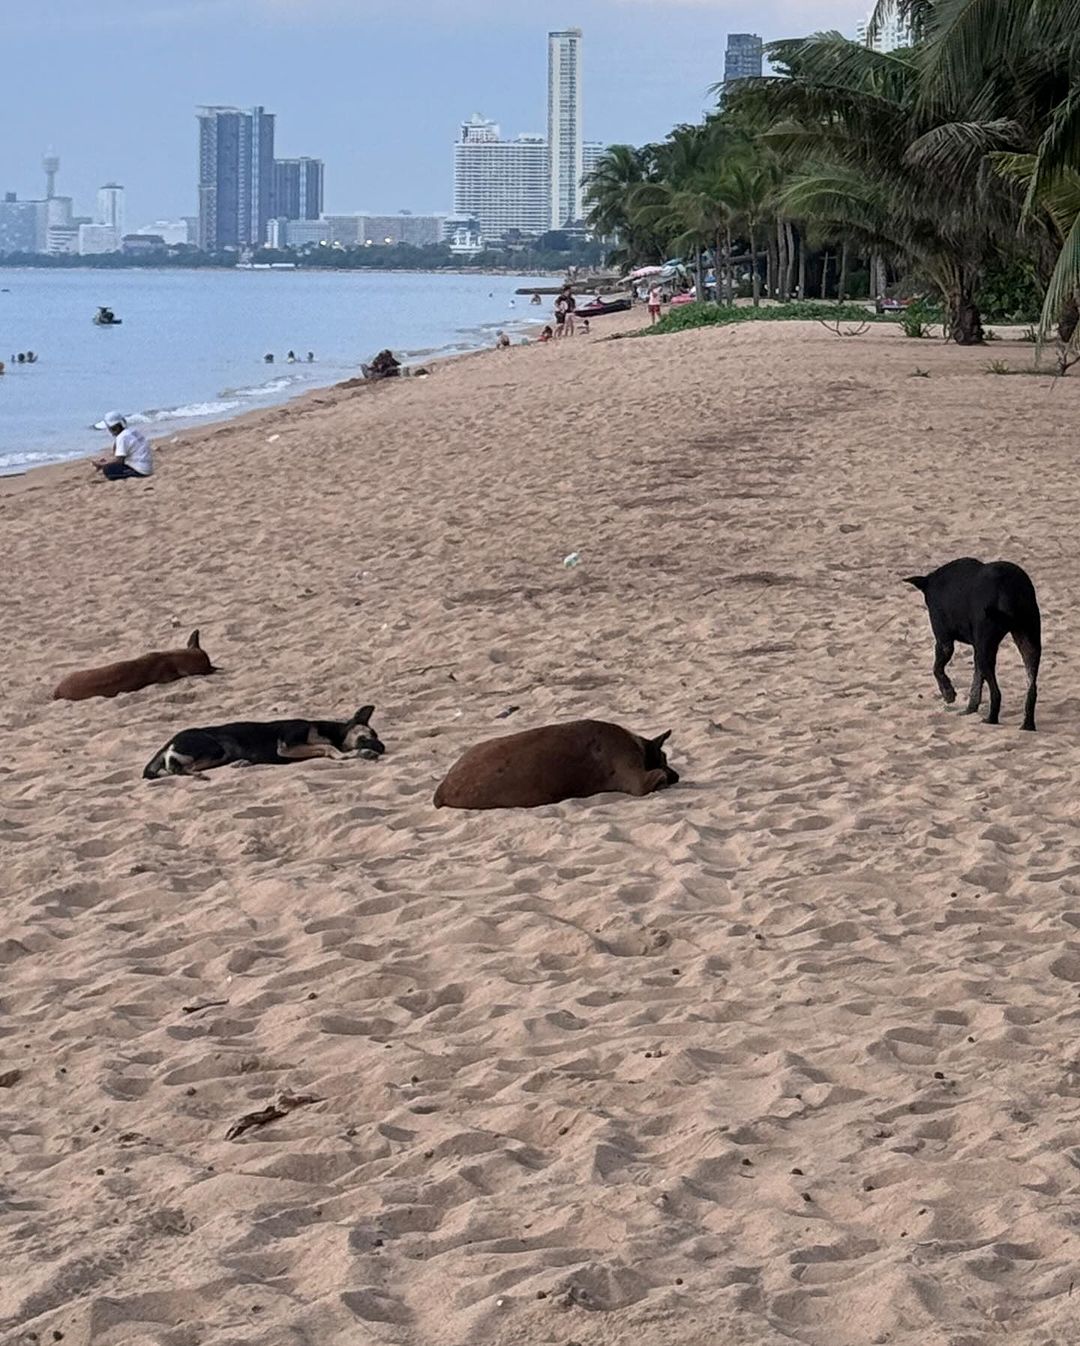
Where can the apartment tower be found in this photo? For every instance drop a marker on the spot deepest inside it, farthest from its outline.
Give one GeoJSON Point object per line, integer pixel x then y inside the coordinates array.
{"type": "Point", "coordinates": [565, 158]}
{"type": "Point", "coordinates": [236, 177]}
{"type": "Point", "coordinates": [298, 189]}
{"type": "Point", "coordinates": [742, 59]}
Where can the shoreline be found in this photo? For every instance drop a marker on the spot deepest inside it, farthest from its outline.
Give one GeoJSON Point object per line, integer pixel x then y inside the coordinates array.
{"type": "Point", "coordinates": [166, 425]}
{"type": "Point", "coordinates": [13, 484]}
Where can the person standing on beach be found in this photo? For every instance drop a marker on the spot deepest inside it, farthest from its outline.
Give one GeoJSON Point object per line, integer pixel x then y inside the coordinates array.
{"type": "Point", "coordinates": [655, 299]}
{"type": "Point", "coordinates": [560, 316]}
{"type": "Point", "coordinates": [132, 455]}
{"type": "Point", "coordinates": [571, 310]}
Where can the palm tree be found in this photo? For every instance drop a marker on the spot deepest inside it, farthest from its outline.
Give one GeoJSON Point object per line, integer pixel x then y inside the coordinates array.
{"type": "Point", "coordinates": [608, 189]}
{"type": "Point", "coordinates": [1013, 64]}
{"type": "Point", "coordinates": [859, 121]}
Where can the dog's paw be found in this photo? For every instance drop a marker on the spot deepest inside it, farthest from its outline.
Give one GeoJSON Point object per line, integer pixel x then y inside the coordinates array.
{"type": "Point", "coordinates": [243, 761]}
{"type": "Point", "coordinates": [366, 755]}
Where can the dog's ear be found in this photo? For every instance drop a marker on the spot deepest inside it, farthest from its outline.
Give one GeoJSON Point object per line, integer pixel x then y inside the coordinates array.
{"type": "Point", "coordinates": [919, 581]}
{"type": "Point", "coordinates": [363, 715]}
{"type": "Point", "coordinates": [661, 739]}
{"type": "Point", "coordinates": [193, 640]}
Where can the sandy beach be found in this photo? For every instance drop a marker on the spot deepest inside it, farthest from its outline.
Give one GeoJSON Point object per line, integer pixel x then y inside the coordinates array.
{"type": "Point", "coordinates": [783, 1054]}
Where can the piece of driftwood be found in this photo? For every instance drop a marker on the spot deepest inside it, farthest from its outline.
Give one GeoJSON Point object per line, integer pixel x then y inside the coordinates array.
{"type": "Point", "coordinates": [281, 1107]}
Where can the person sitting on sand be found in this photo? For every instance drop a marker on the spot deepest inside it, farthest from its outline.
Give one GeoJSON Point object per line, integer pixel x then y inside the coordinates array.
{"type": "Point", "coordinates": [384, 366]}
{"type": "Point", "coordinates": [502, 341]}
{"type": "Point", "coordinates": [132, 455]}
{"type": "Point", "coordinates": [546, 335]}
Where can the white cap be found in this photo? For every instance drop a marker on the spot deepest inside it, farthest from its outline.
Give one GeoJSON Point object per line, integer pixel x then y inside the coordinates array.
{"type": "Point", "coordinates": [113, 418]}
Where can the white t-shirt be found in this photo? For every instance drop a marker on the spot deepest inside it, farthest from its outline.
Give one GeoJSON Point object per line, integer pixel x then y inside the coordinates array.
{"type": "Point", "coordinates": [134, 448]}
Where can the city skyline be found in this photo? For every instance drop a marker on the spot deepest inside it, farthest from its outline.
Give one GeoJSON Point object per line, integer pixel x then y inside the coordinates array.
{"type": "Point", "coordinates": [420, 72]}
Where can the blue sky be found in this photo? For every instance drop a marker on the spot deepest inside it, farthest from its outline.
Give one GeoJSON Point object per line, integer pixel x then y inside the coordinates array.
{"type": "Point", "coordinates": [374, 87]}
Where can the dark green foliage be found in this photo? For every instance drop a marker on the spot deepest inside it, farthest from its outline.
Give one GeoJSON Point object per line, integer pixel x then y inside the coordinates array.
{"type": "Point", "coordinates": [689, 316]}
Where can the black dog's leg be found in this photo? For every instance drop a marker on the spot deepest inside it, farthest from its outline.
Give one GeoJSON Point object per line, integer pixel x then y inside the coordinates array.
{"type": "Point", "coordinates": [943, 652]}
{"type": "Point", "coordinates": [986, 648]}
{"type": "Point", "coordinates": [1030, 653]}
{"type": "Point", "coordinates": [975, 695]}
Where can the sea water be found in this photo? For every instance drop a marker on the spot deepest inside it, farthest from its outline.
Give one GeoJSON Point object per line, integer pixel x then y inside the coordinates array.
{"type": "Point", "coordinates": [191, 345]}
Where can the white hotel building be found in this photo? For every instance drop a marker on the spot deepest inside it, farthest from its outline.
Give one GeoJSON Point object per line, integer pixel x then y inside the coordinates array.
{"type": "Point", "coordinates": [502, 184]}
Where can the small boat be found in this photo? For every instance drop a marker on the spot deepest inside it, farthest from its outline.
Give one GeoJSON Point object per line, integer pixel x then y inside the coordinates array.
{"type": "Point", "coordinates": [595, 310]}
{"type": "Point", "coordinates": [105, 317]}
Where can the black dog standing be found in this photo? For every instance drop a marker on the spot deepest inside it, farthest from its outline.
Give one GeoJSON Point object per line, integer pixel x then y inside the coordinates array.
{"type": "Point", "coordinates": [979, 604]}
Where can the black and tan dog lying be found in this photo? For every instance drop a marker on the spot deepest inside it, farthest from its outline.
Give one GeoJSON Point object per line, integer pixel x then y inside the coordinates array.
{"type": "Point", "coordinates": [559, 761]}
{"type": "Point", "coordinates": [265, 743]}
{"type": "Point", "coordinates": [131, 675]}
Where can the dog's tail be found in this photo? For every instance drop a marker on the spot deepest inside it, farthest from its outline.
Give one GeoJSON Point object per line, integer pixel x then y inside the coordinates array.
{"type": "Point", "coordinates": [919, 581]}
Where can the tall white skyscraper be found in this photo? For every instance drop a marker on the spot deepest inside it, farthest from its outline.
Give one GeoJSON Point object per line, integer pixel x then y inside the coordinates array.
{"type": "Point", "coordinates": [891, 35]}
{"type": "Point", "coordinates": [110, 206]}
{"type": "Point", "coordinates": [502, 184]}
{"type": "Point", "coordinates": [565, 159]}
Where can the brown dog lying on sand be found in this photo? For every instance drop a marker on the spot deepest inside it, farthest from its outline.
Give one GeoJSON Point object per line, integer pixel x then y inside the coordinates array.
{"type": "Point", "coordinates": [130, 675]}
{"type": "Point", "coordinates": [559, 761]}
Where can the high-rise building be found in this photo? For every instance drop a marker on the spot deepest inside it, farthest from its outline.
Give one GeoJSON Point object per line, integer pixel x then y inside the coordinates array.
{"type": "Point", "coordinates": [21, 225]}
{"type": "Point", "coordinates": [98, 238]}
{"type": "Point", "coordinates": [591, 153]}
{"type": "Point", "coordinates": [565, 164]}
{"type": "Point", "coordinates": [298, 189]}
{"type": "Point", "coordinates": [236, 177]}
{"type": "Point", "coordinates": [891, 34]}
{"type": "Point", "coordinates": [742, 59]}
{"type": "Point", "coordinates": [503, 184]}
{"type": "Point", "coordinates": [110, 206]}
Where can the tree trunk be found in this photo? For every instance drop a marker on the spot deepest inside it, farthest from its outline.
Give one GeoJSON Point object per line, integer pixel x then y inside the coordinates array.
{"type": "Point", "coordinates": [770, 266]}
{"type": "Point", "coordinates": [699, 277]}
{"type": "Point", "coordinates": [754, 272]}
{"type": "Point", "coordinates": [789, 236]}
{"type": "Point", "coordinates": [841, 284]}
{"type": "Point", "coordinates": [729, 271]}
{"type": "Point", "coordinates": [781, 261]}
{"type": "Point", "coordinates": [1069, 320]}
{"type": "Point", "coordinates": [878, 277]}
{"type": "Point", "coordinates": [824, 275]}
{"type": "Point", "coordinates": [965, 322]}
{"type": "Point", "coordinates": [802, 267]}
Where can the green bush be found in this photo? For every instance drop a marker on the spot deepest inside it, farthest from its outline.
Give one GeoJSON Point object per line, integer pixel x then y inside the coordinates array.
{"type": "Point", "coordinates": [688, 316]}
{"type": "Point", "coordinates": [917, 318]}
{"type": "Point", "coordinates": [1010, 293]}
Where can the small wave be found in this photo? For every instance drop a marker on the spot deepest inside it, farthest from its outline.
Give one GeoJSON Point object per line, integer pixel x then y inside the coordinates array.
{"type": "Point", "coordinates": [193, 411]}
{"type": "Point", "coordinates": [268, 389]}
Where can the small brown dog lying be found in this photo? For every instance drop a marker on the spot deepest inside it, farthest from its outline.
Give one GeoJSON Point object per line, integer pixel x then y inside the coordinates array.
{"type": "Point", "coordinates": [559, 761]}
{"type": "Point", "coordinates": [129, 675]}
